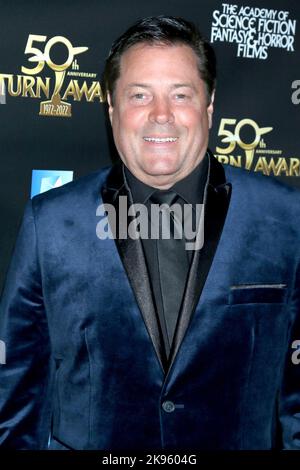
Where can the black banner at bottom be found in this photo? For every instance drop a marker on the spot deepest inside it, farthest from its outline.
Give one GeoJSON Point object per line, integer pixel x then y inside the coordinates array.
{"type": "Point", "coordinates": [96, 459]}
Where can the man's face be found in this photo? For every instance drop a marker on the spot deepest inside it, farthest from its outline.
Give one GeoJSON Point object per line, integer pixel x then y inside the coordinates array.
{"type": "Point", "coordinates": [160, 118]}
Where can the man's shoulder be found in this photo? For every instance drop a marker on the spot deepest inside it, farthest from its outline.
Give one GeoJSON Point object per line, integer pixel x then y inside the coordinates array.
{"type": "Point", "coordinates": [260, 186]}
{"type": "Point", "coordinates": [263, 197]}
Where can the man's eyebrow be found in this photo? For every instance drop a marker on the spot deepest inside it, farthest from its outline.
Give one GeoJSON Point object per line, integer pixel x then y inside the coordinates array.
{"type": "Point", "coordinates": [174, 86]}
{"type": "Point", "coordinates": [140, 85]}
{"type": "Point", "coordinates": [183, 85]}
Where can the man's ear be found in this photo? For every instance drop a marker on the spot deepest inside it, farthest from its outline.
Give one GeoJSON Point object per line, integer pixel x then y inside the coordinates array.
{"type": "Point", "coordinates": [210, 109]}
{"type": "Point", "coordinates": [110, 106]}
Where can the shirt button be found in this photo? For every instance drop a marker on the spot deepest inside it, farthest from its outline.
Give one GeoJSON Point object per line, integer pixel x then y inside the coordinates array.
{"type": "Point", "coordinates": [168, 406]}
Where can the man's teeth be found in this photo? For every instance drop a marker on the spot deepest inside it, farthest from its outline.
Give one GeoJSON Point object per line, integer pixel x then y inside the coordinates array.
{"type": "Point", "coordinates": [160, 140]}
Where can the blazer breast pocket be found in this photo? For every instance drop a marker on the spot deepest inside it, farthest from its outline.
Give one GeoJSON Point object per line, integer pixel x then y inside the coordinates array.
{"type": "Point", "coordinates": [257, 293]}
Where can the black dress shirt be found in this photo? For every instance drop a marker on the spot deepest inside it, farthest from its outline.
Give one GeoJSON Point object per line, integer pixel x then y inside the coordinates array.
{"type": "Point", "coordinates": [190, 190]}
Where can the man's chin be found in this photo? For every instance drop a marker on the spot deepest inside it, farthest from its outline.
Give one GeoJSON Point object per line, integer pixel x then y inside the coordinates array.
{"type": "Point", "coordinates": [161, 170]}
{"type": "Point", "coordinates": [162, 178]}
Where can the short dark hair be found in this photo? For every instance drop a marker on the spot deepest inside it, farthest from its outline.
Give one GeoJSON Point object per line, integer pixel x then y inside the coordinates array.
{"type": "Point", "coordinates": [167, 30]}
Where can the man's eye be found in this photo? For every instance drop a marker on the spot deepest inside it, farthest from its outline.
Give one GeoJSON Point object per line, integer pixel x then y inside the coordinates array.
{"type": "Point", "coordinates": [181, 96]}
{"type": "Point", "coordinates": [139, 96]}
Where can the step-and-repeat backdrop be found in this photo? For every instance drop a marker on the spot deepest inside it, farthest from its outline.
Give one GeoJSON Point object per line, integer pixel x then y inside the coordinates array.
{"type": "Point", "coordinates": [59, 47]}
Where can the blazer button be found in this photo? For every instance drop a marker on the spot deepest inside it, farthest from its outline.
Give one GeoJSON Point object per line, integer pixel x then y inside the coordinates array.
{"type": "Point", "coordinates": [168, 406]}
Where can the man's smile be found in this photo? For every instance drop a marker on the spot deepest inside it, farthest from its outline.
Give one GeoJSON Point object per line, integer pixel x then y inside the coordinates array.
{"type": "Point", "coordinates": [160, 140]}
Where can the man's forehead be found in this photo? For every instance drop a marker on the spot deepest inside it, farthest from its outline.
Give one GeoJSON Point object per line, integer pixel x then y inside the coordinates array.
{"type": "Point", "coordinates": [158, 59]}
{"type": "Point", "coordinates": [142, 47]}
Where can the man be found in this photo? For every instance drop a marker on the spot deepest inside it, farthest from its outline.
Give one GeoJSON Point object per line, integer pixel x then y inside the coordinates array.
{"type": "Point", "coordinates": [136, 343]}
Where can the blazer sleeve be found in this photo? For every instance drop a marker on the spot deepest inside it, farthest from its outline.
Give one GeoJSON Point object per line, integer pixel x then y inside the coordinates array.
{"type": "Point", "coordinates": [25, 410]}
{"type": "Point", "coordinates": [289, 406]}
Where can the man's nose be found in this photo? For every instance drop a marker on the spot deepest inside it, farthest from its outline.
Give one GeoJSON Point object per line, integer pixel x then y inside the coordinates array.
{"type": "Point", "coordinates": [161, 111]}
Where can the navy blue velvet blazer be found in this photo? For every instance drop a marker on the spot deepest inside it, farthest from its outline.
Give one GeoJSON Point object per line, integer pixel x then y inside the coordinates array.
{"type": "Point", "coordinates": [84, 358]}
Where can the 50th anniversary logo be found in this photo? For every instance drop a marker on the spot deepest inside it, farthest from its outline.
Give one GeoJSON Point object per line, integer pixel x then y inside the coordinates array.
{"type": "Point", "coordinates": [253, 154]}
{"type": "Point", "coordinates": [57, 90]}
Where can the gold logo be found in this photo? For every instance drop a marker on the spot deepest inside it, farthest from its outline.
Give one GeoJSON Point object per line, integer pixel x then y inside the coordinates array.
{"type": "Point", "coordinates": [53, 107]}
{"type": "Point", "coordinates": [234, 138]}
{"type": "Point", "coordinates": [32, 85]}
{"type": "Point", "coordinates": [256, 156]}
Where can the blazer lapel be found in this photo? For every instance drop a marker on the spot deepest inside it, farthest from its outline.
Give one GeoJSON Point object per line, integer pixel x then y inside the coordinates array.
{"type": "Point", "coordinates": [132, 256]}
{"type": "Point", "coordinates": [216, 203]}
